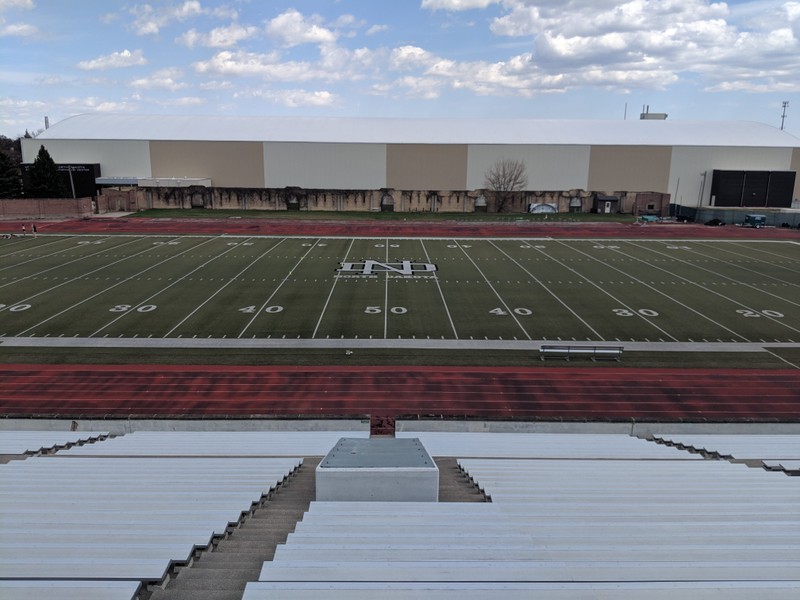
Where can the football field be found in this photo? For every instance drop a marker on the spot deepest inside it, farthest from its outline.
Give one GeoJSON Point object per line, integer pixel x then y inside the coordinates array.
{"type": "Point", "coordinates": [316, 288]}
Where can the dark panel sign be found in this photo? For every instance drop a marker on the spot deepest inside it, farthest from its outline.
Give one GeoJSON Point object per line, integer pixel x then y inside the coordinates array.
{"type": "Point", "coordinates": [781, 188]}
{"type": "Point", "coordinates": [80, 178]}
{"type": "Point", "coordinates": [726, 188]}
{"type": "Point", "coordinates": [753, 188]}
{"type": "Point", "coordinates": [754, 192]}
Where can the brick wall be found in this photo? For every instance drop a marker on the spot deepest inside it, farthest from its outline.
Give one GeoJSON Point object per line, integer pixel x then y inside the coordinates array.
{"type": "Point", "coordinates": [44, 208]}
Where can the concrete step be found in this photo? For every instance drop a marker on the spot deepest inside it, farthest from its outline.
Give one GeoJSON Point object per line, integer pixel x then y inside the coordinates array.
{"type": "Point", "coordinates": [223, 573]}
{"type": "Point", "coordinates": [213, 579]}
{"type": "Point", "coordinates": [454, 485]}
{"type": "Point", "coordinates": [242, 560]}
{"type": "Point", "coordinates": [197, 595]}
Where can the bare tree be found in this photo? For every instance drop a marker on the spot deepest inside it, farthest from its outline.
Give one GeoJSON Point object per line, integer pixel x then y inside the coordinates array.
{"type": "Point", "coordinates": [504, 178]}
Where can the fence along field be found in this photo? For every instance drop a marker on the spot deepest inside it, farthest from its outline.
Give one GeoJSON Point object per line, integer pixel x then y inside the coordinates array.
{"type": "Point", "coordinates": [466, 289]}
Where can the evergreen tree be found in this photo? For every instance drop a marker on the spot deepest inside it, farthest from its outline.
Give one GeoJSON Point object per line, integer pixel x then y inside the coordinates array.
{"type": "Point", "coordinates": [10, 180]}
{"type": "Point", "coordinates": [11, 147]}
{"type": "Point", "coordinates": [45, 181]}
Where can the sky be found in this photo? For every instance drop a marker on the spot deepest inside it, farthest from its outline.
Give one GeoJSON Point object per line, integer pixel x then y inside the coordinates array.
{"type": "Point", "coordinates": [549, 59]}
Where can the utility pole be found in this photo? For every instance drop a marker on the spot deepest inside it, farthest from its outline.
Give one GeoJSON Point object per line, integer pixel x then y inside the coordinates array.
{"type": "Point", "coordinates": [783, 116]}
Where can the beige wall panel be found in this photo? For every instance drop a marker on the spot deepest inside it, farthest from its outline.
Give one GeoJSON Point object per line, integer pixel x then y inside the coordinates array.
{"type": "Point", "coordinates": [796, 168]}
{"type": "Point", "coordinates": [117, 158]}
{"type": "Point", "coordinates": [692, 168]}
{"type": "Point", "coordinates": [549, 168]}
{"type": "Point", "coordinates": [629, 168]}
{"type": "Point", "coordinates": [228, 164]}
{"type": "Point", "coordinates": [426, 166]}
{"type": "Point", "coordinates": [325, 166]}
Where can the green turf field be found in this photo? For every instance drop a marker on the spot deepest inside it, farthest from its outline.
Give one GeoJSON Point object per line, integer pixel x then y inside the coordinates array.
{"type": "Point", "coordinates": [195, 287]}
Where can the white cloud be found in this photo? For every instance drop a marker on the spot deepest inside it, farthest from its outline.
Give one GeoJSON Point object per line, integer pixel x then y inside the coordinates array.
{"type": "Point", "coordinates": [225, 12]}
{"type": "Point", "coordinates": [17, 29]}
{"type": "Point", "coordinates": [163, 79]}
{"type": "Point", "coordinates": [426, 88]}
{"type": "Point", "coordinates": [219, 37]}
{"type": "Point", "coordinates": [239, 63]}
{"type": "Point", "coordinates": [410, 57]}
{"type": "Point", "coordinates": [92, 103]}
{"type": "Point", "coordinates": [334, 64]}
{"type": "Point", "coordinates": [14, 103]}
{"type": "Point", "coordinates": [291, 28]}
{"type": "Point", "coordinates": [182, 101]}
{"type": "Point", "coordinates": [215, 85]}
{"type": "Point", "coordinates": [590, 18]}
{"type": "Point", "coordinates": [456, 5]}
{"type": "Point", "coordinates": [375, 29]}
{"type": "Point", "coordinates": [23, 4]}
{"type": "Point", "coordinates": [295, 98]}
{"type": "Point", "coordinates": [115, 60]}
{"type": "Point", "coordinates": [191, 38]}
{"type": "Point", "coordinates": [149, 20]}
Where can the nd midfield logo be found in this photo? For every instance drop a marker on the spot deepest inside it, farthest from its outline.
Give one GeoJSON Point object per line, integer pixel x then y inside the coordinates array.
{"type": "Point", "coordinates": [373, 267]}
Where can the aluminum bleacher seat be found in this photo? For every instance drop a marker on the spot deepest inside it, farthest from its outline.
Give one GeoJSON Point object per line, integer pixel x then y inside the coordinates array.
{"type": "Point", "coordinates": [106, 506]}
{"type": "Point", "coordinates": [69, 590]}
{"type": "Point", "coordinates": [603, 519]}
{"type": "Point", "coordinates": [787, 466]}
{"type": "Point", "coordinates": [741, 447]}
{"type": "Point", "coordinates": [30, 442]}
{"type": "Point", "coordinates": [391, 590]}
{"type": "Point", "coordinates": [218, 443]}
{"type": "Point", "coordinates": [543, 445]}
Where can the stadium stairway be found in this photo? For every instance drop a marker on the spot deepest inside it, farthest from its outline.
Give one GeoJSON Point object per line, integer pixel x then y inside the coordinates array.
{"type": "Point", "coordinates": [223, 572]}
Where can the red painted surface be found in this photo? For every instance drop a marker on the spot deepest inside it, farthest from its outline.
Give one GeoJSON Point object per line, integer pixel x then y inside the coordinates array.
{"type": "Point", "coordinates": [475, 392]}
{"type": "Point", "coordinates": [368, 228]}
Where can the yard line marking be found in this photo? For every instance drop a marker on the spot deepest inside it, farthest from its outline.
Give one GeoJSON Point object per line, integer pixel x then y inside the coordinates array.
{"type": "Point", "coordinates": [101, 292]}
{"type": "Point", "coordinates": [53, 241]}
{"type": "Point", "coordinates": [61, 265]}
{"type": "Point", "coordinates": [602, 289]}
{"type": "Point", "coordinates": [657, 291]}
{"type": "Point", "coordinates": [783, 359]}
{"type": "Point", "coordinates": [732, 301]}
{"type": "Point", "coordinates": [496, 293]}
{"type": "Point", "coordinates": [226, 284]}
{"type": "Point", "coordinates": [330, 293]}
{"type": "Point", "coordinates": [386, 296]}
{"type": "Point", "coordinates": [753, 246]}
{"type": "Point", "coordinates": [548, 290]}
{"type": "Point", "coordinates": [162, 290]}
{"type": "Point", "coordinates": [280, 285]}
{"type": "Point", "coordinates": [737, 281]}
{"type": "Point", "coordinates": [441, 293]}
{"type": "Point", "coordinates": [77, 277]}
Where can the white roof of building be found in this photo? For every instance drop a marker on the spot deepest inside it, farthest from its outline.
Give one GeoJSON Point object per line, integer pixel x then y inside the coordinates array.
{"type": "Point", "coordinates": [419, 131]}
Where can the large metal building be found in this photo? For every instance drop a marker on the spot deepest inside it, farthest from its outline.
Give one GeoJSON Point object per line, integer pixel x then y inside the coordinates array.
{"type": "Point", "coordinates": [693, 163]}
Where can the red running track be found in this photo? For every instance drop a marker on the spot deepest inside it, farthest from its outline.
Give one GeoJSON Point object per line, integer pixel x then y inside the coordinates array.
{"type": "Point", "coordinates": [366, 228]}
{"type": "Point", "coordinates": [547, 393]}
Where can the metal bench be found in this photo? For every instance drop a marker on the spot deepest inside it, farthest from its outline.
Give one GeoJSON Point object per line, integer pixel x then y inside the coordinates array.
{"type": "Point", "coordinates": [566, 352]}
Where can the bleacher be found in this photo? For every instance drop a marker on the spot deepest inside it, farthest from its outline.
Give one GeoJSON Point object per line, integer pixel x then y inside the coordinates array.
{"type": "Point", "coordinates": [776, 452]}
{"type": "Point", "coordinates": [570, 516]}
{"type": "Point", "coordinates": [33, 442]}
{"type": "Point", "coordinates": [543, 445]}
{"type": "Point", "coordinates": [108, 519]}
{"type": "Point", "coordinates": [596, 517]}
{"type": "Point", "coordinates": [217, 443]}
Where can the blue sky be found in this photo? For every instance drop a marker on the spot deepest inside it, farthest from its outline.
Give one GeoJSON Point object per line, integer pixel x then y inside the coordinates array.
{"type": "Point", "coordinates": [692, 59]}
